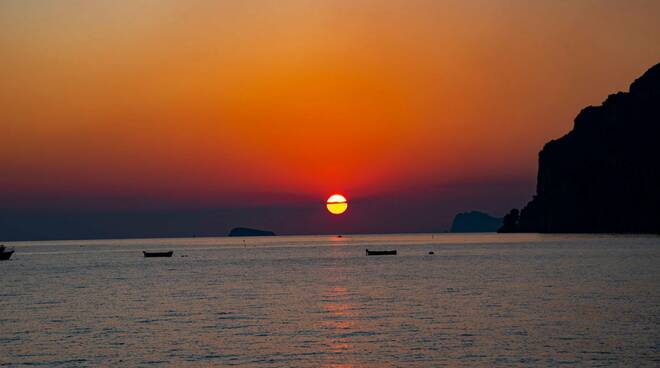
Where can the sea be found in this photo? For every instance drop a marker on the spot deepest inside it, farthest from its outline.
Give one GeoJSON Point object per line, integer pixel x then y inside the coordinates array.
{"type": "Point", "coordinates": [480, 300]}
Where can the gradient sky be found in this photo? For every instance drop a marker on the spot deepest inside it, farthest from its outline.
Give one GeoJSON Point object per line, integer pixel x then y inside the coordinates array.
{"type": "Point", "coordinates": [256, 111]}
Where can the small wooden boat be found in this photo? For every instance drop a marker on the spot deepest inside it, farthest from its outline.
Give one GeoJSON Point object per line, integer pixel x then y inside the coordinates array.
{"type": "Point", "coordinates": [157, 254]}
{"type": "Point", "coordinates": [381, 252]}
{"type": "Point", "coordinates": [5, 253]}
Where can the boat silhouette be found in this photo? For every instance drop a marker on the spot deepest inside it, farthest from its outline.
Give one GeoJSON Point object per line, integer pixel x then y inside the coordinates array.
{"type": "Point", "coordinates": [5, 253]}
{"type": "Point", "coordinates": [381, 252]}
{"type": "Point", "coordinates": [157, 254]}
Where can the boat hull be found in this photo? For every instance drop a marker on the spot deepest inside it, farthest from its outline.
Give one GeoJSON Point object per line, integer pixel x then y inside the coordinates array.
{"type": "Point", "coordinates": [6, 255]}
{"type": "Point", "coordinates": [381, 252]}
{"type": "Point", "coordinates": [157, 254]}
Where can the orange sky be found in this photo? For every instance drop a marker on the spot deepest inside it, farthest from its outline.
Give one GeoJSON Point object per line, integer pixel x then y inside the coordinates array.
{"type": "Point", "coordinates": [212, 102]}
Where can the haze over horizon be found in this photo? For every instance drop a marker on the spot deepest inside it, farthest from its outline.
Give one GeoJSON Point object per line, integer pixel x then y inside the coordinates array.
{"type": "Point", "coordinates": [163, 118]}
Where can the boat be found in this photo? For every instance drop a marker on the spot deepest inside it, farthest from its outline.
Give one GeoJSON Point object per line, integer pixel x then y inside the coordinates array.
{"type": "Point", "coordinates": [5, 253]}
{"type": "Point", "coordinates": [381, 252]}
{"type": "Point", "coordinates": [157, 254]}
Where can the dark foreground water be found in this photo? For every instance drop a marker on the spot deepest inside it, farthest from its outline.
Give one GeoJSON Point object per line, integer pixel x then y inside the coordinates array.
{"type": "Point", "coordinates": [481, 300]}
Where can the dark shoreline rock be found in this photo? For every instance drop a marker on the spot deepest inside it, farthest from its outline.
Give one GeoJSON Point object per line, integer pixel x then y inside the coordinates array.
{"type": "Point", "coordinates": [604, 175]}
{"type": "Point", "coordinates": [244, 231]}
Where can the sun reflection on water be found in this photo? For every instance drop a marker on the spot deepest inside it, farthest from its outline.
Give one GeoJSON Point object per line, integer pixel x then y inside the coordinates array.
{"type": "Point", "coordinates": [339, 320]}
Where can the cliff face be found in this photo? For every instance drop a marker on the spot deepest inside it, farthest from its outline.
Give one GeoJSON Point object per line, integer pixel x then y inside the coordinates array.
{"type": "Point", "coordinates": [604, 175]}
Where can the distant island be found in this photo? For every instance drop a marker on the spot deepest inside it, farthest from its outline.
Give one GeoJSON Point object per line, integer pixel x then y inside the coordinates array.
{"type": "Point", "coordinates": [475, 222]}
{"type": "Point", "coordinates": [244, 231]}
{"type": "Point", "coordinates": [604, 175]}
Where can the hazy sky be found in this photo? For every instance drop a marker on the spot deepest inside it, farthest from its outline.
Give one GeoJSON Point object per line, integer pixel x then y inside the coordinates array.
{"type": "Point", "coordinates": [416, 109]}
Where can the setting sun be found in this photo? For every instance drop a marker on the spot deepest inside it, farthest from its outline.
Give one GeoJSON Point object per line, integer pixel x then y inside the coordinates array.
{"type": "Point", "coordinates": [337, 204]}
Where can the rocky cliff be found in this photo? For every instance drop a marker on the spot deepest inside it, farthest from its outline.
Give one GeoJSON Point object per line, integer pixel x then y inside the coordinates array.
{"type": "Point", "coordinates": [604, 175]}
{"type": "Point", "coordinates": [475, 222]}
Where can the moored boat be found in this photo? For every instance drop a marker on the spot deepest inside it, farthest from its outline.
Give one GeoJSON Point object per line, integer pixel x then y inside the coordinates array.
{"type": "Point", "coordinates": [5, 253]}
{"type": "Point", "coordinates": [381, 252]}
{"type": "Point", "coordinates": [157, 254]}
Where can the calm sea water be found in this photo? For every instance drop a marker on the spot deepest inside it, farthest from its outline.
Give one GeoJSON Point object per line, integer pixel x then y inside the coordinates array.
{"type": "Point", "coordinates": [481, 300]}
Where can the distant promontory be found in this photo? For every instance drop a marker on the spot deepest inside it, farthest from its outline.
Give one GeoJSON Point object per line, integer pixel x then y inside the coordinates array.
{"type": "Point", "coordinates": [475, 222]}
{"type": "Point", "coordinates": [244, 231]}
{"type": "Point", "coordinates": [604, 175]}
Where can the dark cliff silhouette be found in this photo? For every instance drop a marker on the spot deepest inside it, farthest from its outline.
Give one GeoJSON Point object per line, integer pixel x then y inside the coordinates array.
{"type": "Point", "coordinates": [604, 175]}
{"type": "Point", "coordinates": [510, 222]}
{"type": "Point", "coordinates": [475, 222]}
{"type": "Point", "coordinates": [244, 231]}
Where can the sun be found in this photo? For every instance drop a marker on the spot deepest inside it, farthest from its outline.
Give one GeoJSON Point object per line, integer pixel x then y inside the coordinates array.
{"type": "Point", "coordinates": [337, 204]}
